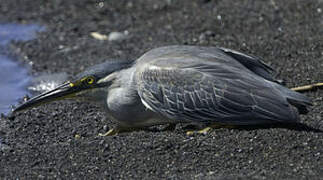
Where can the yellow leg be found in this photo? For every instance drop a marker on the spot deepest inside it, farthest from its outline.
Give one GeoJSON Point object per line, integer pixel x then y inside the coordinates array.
{"type": "Point", "coordinates": [308, 87]}
{"type": "Point", "coordinates": [208, 129]}
{"type": "Point", "coordinates": [118, 130]}
{"type": "Point", "coordinates": [205, 130]}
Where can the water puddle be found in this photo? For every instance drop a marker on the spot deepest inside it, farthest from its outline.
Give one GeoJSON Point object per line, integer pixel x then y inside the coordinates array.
{"type": "Point", "coordinates": [14, 76]}
{"type": "Point", "coordinates": [13, 83]}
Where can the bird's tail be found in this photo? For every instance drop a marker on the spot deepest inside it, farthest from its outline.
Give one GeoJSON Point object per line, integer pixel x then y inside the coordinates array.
{"type": "Point", "coordinates": [300, 101]}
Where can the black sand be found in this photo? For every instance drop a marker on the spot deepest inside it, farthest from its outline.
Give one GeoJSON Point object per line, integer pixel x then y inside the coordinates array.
{"type": "Point", "coordinates": [60, 140]}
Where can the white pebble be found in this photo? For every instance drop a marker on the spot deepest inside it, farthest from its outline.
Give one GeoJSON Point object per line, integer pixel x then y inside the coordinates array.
{"type": "Point", "coordinates": [117, 36]}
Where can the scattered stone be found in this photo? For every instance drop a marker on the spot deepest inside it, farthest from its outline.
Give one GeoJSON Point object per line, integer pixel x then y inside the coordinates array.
{"type": "Point", "coordinates": [77, 136]}
{"type": "Point", "coordinates": [99, 36]}
{"type": "Point", "coordinates": [118, 36]}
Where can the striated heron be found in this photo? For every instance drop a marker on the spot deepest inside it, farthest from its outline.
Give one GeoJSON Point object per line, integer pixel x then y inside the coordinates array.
{"type": "Point", "coordinates": [176, 84]}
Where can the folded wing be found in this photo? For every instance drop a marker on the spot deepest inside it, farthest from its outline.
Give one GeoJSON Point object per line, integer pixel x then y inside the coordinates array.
{"type": "Point", "coordinates": [208, 89]}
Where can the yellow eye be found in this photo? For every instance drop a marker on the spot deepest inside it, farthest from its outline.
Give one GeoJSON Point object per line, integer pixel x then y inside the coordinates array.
{"type": "Point", "coordinates": [90, 80]}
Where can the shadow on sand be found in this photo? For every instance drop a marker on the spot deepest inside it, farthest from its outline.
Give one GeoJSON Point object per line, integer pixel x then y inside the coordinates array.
{"type": "Point", "coordinates": [295, 127]}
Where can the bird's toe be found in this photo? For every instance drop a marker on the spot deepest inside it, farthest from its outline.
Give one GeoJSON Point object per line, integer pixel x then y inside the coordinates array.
{"type": "Point", "coordinates": [208, 129]}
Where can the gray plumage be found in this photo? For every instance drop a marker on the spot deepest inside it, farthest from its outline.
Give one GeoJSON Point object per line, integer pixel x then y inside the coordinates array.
{"type": "Point", "coordinates": [207, 84]}
{"type": "Point", "coordinates": [184, 84]}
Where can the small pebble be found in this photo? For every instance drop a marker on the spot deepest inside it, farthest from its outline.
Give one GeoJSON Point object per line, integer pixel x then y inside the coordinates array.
{"type": "Point", "coordinates": [105, 128]}
{"type": "Point", "coordinates": [99, 36]}
{"type": "Point", "coordinates": [117, 36]}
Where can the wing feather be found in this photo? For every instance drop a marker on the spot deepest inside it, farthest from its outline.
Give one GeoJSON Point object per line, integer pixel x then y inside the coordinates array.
{"type": "Point", "coordinates": [253, 63]}
{"type": "Point", "coordinates": [204, 90]}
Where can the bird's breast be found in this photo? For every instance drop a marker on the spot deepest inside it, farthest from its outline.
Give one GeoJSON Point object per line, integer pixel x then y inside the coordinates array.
{"type": "Point", "coordinates": [124, 105]}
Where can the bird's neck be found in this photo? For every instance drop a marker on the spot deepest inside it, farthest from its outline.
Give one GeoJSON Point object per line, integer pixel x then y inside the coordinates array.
{"type": "Point", "coordinates": [124, 78]}
{"type": "Point", "coordinates": [122, 96]}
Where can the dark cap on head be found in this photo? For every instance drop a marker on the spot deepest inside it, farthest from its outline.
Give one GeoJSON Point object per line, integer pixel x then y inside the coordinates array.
{"type": "Point", "coordinates": [104, 69]}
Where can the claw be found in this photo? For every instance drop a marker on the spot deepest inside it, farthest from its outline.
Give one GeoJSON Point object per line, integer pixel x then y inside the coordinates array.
{"type": "Point", "coordinates": [208, 129]}
{"type": "Point", "coordinates": [205, 130]}
{"type": "Point", "coordinates": [189, 133]}
{"type": "Point", "coordinates": [202, 131]}
{"type": "Point", "coordinates": [118, 130]}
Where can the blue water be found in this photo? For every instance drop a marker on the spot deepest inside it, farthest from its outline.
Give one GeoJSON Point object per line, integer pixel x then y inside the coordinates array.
{"type": "Point", "coordinates": [18, 32]}
{"type": "Point", "coordinates": [14, 76]}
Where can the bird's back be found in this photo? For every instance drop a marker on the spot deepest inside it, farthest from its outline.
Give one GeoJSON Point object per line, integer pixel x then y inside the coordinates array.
{"type": "Point", "coordinates": [214, 83]}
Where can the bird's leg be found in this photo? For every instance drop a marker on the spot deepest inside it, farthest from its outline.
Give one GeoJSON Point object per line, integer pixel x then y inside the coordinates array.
{"type": "Point", "coordinates": [308, 87]}
{"type": "Point", "coordinates": [119, 129]}
{"type": "Point", "coordinates": [170, 127]}
{"type": "Point", "coordinates": [209, 128]}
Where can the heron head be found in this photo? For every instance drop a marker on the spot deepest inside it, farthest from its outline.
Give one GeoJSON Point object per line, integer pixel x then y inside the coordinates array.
{"type": "Point", "coordinates": [90, 84]}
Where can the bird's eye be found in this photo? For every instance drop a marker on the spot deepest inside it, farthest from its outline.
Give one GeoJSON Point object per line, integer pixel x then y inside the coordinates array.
{"type": "Point", "coordinates": [89, 80]}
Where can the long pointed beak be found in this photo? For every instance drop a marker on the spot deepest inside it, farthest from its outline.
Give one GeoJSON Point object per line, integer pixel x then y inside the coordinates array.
{"type": "Point", "coordinates": [66, 90]}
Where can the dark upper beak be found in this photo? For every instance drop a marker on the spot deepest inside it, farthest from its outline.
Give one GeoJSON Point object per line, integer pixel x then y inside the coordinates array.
{"type": "Point", "coordinates": [63, 91]}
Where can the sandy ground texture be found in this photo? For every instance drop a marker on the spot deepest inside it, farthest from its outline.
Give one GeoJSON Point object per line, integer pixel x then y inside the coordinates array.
{"type": "Point", "coordinates": [60, 140]}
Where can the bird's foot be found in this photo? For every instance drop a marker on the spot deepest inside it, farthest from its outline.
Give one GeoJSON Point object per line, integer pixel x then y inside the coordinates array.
{"type": "Point", "coordinates": [118, 130]}
{"type": "Point", "coordinates": [202, 131]}
{"type": "Point", "coordinates": [208, 129]}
